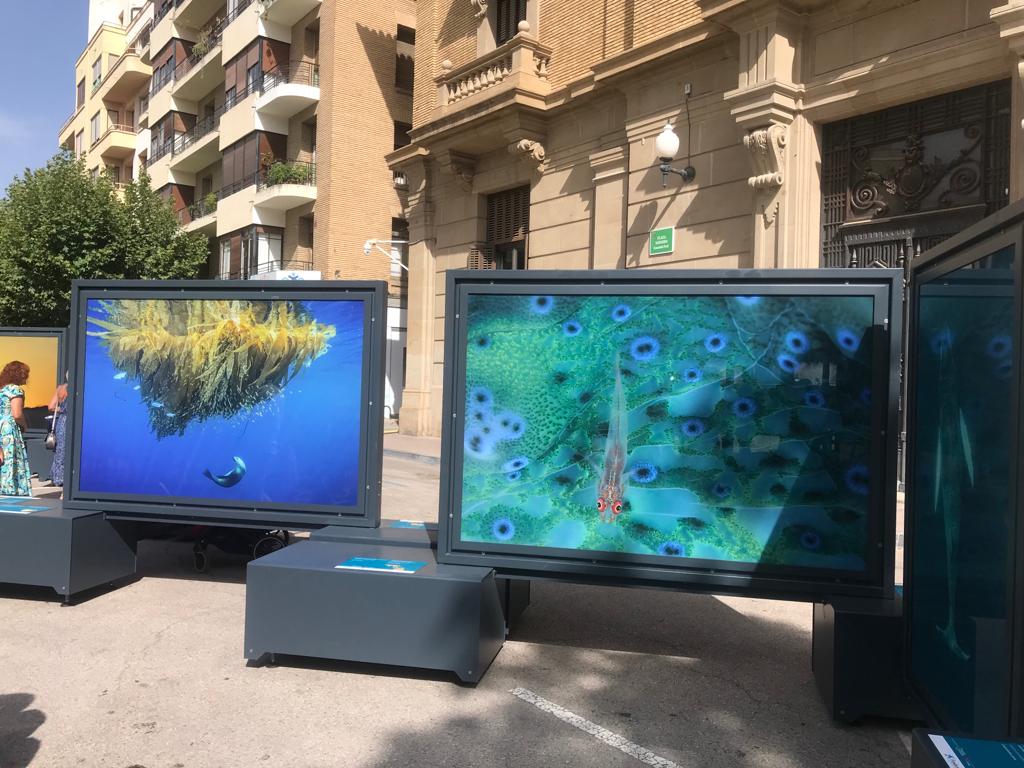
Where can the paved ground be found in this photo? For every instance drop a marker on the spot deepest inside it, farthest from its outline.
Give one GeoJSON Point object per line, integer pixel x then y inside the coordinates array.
{"type": "Point", "coordinates": [152, 675]}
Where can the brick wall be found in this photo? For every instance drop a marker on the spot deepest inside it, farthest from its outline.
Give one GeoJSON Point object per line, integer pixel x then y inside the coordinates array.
{"type": "Point", "coordinates": [356, 198]}
{"type": "Point", "coordinates": [581, 33]}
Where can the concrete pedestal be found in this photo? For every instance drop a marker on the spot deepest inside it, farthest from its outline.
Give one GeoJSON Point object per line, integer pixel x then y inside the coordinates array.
{"type": "Point", "coordinates": [42, 544]}
{"type": "Point", "coordinates": [441, 617]}
{"type": "Point", "coordinates": [857, 659]}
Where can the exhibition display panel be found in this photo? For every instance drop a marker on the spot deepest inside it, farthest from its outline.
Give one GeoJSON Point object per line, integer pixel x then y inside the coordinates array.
{"type": "Point", "coordinates": [222, 401]}
{"type": "Point", "coordinates": [730, 431]}
{"type": "Point", "coordinates": [965, 560]}
{"type": "Point", "coordinates": [42, 350]}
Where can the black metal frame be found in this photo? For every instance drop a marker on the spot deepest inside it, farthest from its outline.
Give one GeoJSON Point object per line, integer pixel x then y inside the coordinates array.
{"type": "Point", "coordinates": [884, 286]}
{"type": "Point", "coordinates": [366, 510]}
{"type": "Point", "coordinates": [61, 335]}
{"type": "Point", "coordinates": [1006, 227]}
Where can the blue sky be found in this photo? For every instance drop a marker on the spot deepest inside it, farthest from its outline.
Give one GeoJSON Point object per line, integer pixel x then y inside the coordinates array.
{"type": "Point", "coordinates": [40, 40]}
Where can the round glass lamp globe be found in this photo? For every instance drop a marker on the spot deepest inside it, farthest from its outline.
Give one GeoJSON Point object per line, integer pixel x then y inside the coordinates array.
{"type": "Point", "coordinates": [667, 144]}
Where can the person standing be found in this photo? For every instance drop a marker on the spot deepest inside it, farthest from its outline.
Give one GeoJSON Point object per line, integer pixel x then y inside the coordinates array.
{"type": "Point", "coordinates": [59, 407]}
{"type": "Point", "coordinates": [15, 475]}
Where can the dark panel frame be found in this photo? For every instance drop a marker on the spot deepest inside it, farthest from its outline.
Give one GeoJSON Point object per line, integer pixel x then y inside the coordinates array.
{"type": "Point", "coordinates": [366, 510]}
{"type": "Point", "coordinates": [884, 285]}
{"type": "Point", "coordinates": [1006, 227]}
{"type": "Point", "coordinates": [61, 336]}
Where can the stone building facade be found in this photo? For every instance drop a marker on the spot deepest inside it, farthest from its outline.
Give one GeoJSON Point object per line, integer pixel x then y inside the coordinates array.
{"type": "Point", "coordinates": [845, 133]}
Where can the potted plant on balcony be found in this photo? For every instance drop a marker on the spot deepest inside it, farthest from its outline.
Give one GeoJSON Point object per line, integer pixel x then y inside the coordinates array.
{"type": "Point", "coordinates": [203, 43]}
{"type": "Point", "coordinates": [210, 202]}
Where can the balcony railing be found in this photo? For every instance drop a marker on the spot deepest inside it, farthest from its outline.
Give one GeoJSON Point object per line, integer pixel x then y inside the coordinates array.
{"type": "Point", "coordinates": [281, 172]}
{"type": "Point", "coordinates": [206, 44]}
{"type": "Point", "coordinates": [229, 189]}
{"type": "Point", "coordinates": [401, 181]}
{"type": "Point", "coordinates": [522, 57]}
{"type": "Point", "coordinates": [199, 209]}
{"type": "Point", "coordinates": [237, 11]}
{"type": "Point", "coordinates": [159, 150]}
{"type": "Point", "coordinates": [303, 73]}
{"type": "Point", "coordinates": [161, 77]}
{"type": "Point", "coordinates": [163, 7]}
{"type": "Point", "coordinates": [202, 127]}
{"type": "Point", "coordinates": [263, 267]}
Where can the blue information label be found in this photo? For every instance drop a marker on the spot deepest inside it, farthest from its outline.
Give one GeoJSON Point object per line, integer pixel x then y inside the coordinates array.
{"type": "Point", "coordinates": [407, 524]}
{"type": "Point", "coordinates": [977, 753]}
{"type": "Point", "coordinates": [376, 564]}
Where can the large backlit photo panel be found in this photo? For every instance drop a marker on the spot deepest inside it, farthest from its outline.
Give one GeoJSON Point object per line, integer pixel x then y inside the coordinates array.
{"type": "Point", "coordinates": [719, 430]}
{"type": "Point", "coordinates": [221, 401]}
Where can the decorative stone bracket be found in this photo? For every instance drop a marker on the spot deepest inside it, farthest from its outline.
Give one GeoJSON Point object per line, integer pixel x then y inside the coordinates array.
{"type": "Point", "coordinates": [481, 8]}
{"type": "Point", "coordinates": [767, 154]}
{"type": "Point", "coordinates": [529, 149]}
{"type": "Point", "coordinates": [459, 165]}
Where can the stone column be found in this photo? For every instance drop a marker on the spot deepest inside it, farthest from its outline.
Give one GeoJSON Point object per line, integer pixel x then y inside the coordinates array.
{"type": "Point", "coordinates": [416, 416]}
{"type": "Point", "coordinates": [783, 145]}
{"type": "Point", "coordinates": [1010, 18]}
{"type": "Point", "coordinates": [610, 167]}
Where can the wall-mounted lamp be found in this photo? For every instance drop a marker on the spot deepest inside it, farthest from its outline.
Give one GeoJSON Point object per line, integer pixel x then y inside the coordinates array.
{"type": "Point", "coordinates": [667, 145]}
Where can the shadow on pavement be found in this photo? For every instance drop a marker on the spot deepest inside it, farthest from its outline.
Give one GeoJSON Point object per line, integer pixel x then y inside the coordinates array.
{"type": "Point", "coordinates": [17, 724]}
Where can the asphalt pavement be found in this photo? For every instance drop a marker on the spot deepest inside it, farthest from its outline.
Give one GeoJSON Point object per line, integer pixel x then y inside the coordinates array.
{"type": "Point", "coordinates": [151, 675]}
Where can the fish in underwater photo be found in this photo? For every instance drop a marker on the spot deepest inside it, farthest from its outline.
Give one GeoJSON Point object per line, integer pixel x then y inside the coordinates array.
{"type": "Point", "coordinates": [716, 428]}
{"type": "Point", "coordinates": [211, 393]}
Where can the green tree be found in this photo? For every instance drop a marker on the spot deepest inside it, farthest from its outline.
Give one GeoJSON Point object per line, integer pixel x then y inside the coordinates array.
{"type": "Point", "coordinates": [58, 224]}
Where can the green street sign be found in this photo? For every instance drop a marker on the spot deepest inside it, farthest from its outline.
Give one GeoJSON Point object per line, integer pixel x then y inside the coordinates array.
{"type": "Point", "coordinates": [663, 241]}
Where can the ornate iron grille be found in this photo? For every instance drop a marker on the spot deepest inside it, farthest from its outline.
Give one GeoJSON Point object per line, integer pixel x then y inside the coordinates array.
{"type": "Point", "coordinates": [923, 170]}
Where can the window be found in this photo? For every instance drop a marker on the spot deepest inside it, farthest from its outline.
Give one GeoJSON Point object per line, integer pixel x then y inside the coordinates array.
{"type": "Point", "coordinates": [225, 259]}
{"type": "Point", "coordinates": [229, 98]}
{"type": "Point", "coordinates": [268, 252]}
{"type": "Point", "coordinates": [206, 186]}
{"type": "Point", "coordinates": [97, 71]}
{"type": "Point", "coordinates": [94, 128]}
{"type": "Point", "coordinates": [252, 78]}
{"type": "Point", "coordinates": [406, 35]}
{"type": "Point", "coordinates": [114, 172]}
{"type": "Point", "coordinates": [79, 142]}
{"type": "Point", "coordinates": [402, 135]}
{"type": "Point", "coordinates": [508, 228]}
{"type": "Point", "coordinates": [405, 72]}
{"type": "Point", "coordinates": [80, 94]}
{"type": "Point", "coordinates": [509, 14]}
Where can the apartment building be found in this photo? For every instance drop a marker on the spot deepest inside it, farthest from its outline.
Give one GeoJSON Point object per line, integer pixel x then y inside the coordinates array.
{"type": "Point", "coordinates": [266, 124]}
{"type": "Point", "coordinates": [109, 75]}
{"type": "Point", "coordinates": [840, 133]}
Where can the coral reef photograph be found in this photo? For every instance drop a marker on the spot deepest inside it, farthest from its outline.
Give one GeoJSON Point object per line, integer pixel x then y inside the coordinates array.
{"type": "Point", "coordinates": [670, 429]}
{"type": "Point", "coordinates": [217, 399]}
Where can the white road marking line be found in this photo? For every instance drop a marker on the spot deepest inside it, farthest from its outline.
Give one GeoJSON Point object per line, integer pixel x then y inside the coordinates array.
{"type": "Point", "coordinates": [621, 743]}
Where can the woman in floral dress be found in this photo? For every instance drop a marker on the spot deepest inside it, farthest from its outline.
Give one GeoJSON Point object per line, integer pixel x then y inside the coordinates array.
{"type": "Point", "coordinates": [15, 475]}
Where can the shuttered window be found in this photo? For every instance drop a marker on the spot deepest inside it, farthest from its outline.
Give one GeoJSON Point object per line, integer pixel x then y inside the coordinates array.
{"type": "Point", "coordinates": [509, 14]}
{"type": "Point", "coordinates": [508, 228]}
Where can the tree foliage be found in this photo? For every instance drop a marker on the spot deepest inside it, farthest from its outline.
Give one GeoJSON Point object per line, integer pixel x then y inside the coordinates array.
{"type": "Point", "coordinates": [58, 224]}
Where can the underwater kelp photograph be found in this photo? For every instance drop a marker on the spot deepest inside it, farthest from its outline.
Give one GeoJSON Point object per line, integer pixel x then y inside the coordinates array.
{"type": "Point", "coordinates": [715, 428]}
{"type": "Point", "coordinates": [242, 400]}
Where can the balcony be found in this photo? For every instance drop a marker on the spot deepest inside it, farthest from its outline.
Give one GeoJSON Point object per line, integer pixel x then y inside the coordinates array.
{"type": "Point", "coordinates": [202, 69]}
{"type": "Point", "coordinates": [200, 216]}
{"type": "Point", "coordinates": [192, 13]}
{"type": "Point", "coordinates": [67, 132]}
{"type": "Point", "coordinates": [138, 32]}
{"type": "Point", "coordinates": [128, 75]}
{"type": "Point", "coordinates": [116, 143]}
{"type": "Point", "coordinates": [286, 185]}
{"type": "Point", "coordinates": [517, 70]}
{"type": "Point", "coordinates": [287, 12]}
{"type": "Point", "coordinates": [267, 269]}
{"type": "Point", "coordinates": [289, 90]}
{"type": "Point", "coordinates": [195, 149]}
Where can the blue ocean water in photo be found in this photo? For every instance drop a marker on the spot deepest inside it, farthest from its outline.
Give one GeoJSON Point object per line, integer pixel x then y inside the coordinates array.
{"type": "Point", "coordinates": [288, 435]}
{"type": "Point", "coordinates": [717, 428]}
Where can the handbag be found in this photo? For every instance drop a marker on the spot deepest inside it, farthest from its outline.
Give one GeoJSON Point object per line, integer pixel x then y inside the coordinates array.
{"type": "Point", "coordinates": [50, 443]}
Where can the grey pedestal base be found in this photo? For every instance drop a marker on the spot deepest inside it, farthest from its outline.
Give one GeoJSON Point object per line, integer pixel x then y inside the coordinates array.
{"type": "Point", "coordinates": [514, 593]}
{"type": "Point", "coordinates": [442, 617]}
{"type": "Point", "coordinates": [857, 659]}
{"type": "Point", "coordinates": [69, 551]}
